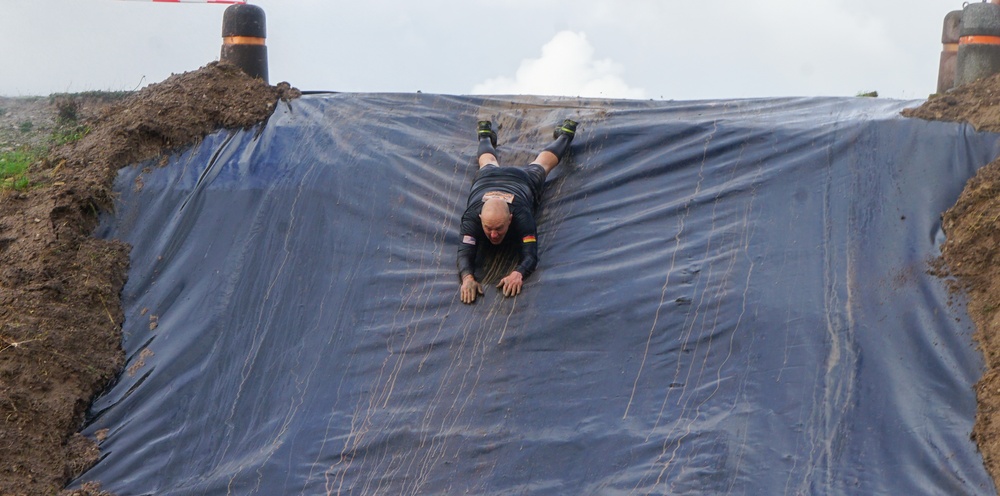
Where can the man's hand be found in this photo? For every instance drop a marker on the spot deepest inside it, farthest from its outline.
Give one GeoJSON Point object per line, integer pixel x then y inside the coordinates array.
{"type": "Point", "coordinates": [470, 289]}
{"type": "Point", "coordinates": [511, 285]}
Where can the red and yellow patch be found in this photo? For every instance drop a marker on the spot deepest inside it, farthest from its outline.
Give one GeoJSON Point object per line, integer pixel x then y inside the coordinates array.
{"type": "Point", "coordinates": [528, 239]}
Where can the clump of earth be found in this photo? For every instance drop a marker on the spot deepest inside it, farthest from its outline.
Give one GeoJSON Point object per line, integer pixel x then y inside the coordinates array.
{"type": "Point", "coordinates": [60, 311]}
{"type": "Point", "coordinates": [970, 256]}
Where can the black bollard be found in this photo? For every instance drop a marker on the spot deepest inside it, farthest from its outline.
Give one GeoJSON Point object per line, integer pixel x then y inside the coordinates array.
{"type": "Point", "coordinates": [243, 34]}
{"type": "Point", "coordinates": [979, 45]}
{"type": "Point", "coordinates": [949, 51]}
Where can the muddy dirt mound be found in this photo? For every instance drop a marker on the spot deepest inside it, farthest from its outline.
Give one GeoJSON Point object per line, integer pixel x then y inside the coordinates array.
{"type": "Point", "coordinates": [972, 249]}
{"type": "Point", "coordinates": [977, 103]}
{"type": "Point", "coordinates": [60, 315]}
{"type": "Point", "coordinates": [970, 254]}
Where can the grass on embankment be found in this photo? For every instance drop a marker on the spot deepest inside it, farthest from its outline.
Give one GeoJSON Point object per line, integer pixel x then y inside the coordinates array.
{"type": "Point", "coordinates": [14, 167]}
{"type": "Point", "coordinates": [17, 159]}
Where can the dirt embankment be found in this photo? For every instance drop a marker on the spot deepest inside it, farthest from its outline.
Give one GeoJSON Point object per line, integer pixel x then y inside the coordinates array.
{"type": "Point", "coordinates": [971, 253]}
{"type": "Point", "coordinates": [60, 313]}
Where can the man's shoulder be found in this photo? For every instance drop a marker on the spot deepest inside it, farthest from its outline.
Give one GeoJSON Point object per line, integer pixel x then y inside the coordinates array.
{"type": "Point", "coordinates": [470, 221]}
{"type": "Point", "coordinates": [524, 217]}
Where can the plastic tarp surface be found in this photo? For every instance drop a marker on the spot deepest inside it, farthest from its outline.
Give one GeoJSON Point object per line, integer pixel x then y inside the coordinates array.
{"type": "Point", "coordinates": [731, 298]}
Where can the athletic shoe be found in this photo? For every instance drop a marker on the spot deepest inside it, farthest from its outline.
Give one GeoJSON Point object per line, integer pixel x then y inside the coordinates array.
{"type": "Point", "coordinates": [568, 128]}
{"type": "Point", "coordinates": [485, 130]}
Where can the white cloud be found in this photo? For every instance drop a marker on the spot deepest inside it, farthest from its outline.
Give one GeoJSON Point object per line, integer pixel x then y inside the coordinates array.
{"type": "Point", "coordinates": [566, 68]}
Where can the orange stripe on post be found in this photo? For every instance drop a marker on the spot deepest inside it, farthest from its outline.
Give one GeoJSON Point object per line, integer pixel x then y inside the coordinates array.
{"type": "Point", "coordinates": [979, 40]}
{"type": "Point", "coordinates": [950, 47]}
{"type": "Point", "coordinates": [242, 40]}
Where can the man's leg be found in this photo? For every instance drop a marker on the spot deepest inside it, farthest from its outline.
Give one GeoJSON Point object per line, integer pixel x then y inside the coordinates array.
{"type": "Point", "coordinates": [488, 159]}
{"type": "Point", "coordinates": [487, 144]}
{"type": "Point", "coordinates": [550, 156]}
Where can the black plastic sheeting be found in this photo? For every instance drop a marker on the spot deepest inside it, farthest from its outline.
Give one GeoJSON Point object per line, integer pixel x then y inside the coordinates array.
{"type": "Point", "coordinates": [732, 298]}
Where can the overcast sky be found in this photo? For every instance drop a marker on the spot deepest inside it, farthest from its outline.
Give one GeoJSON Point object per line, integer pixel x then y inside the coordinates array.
{"type": "Point", "coordinates": [644, 49]}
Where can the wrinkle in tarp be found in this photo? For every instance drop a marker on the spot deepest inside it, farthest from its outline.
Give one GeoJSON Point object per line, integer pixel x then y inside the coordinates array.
{"type": "Point", "coordinates": [732, 298]}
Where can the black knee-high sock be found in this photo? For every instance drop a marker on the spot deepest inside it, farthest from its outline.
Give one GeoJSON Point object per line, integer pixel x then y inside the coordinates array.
{"type": "Point", "coordinates": [486, 146]}
{"type": "Point", "coordinates": [560, 146]}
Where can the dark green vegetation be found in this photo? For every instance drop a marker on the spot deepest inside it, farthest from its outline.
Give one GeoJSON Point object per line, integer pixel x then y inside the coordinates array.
{"type": "Point", "coordinates": [30, 141]}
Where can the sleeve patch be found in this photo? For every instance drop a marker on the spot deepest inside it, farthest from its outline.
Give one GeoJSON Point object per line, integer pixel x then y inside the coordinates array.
{"type": "Point", "coordinates": [469, 240]}
{"type": "Point", "coordinates": [528, 239]}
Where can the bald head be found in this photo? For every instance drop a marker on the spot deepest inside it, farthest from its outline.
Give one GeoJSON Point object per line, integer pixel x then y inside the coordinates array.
{"type": "Point", "coordinates": [495, 217]}
{"type": "Point", "coordinates": [494, 209]}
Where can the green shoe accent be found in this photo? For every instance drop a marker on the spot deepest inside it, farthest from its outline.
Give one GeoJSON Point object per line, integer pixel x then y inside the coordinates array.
{"type": "Point", "coordinates": [485, 130]}
{"type": "Point", "coordinates": [568, 128]}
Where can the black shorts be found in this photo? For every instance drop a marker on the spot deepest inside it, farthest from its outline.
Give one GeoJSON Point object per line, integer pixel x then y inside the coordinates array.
{"type": "Point", "coordinates": [530, 180]}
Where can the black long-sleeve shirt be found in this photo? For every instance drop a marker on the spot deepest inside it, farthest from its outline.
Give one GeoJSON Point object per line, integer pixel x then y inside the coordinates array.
{"type": "Point", "coordinates": [521, 189]}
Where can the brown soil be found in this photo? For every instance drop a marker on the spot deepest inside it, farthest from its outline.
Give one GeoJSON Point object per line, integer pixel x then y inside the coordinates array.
{"type": "Point", "coordinates": [971, 253]}
{"type": "Point", "coordinates": [977, 103]}
{"type": "Point", "coordinates": [60, 313]}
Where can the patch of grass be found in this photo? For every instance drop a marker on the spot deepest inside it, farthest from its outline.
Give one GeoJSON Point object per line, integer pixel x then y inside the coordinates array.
{"type": "Point", "coordinates": [70, 134]}
{"type": "Point", "coordinates": [14, 167]}
{"type": "Point", "coordinates": [25, 126]}
{"type": "Point", "coordinates": [14, 164]}
{"type": "Point", "coordinates": [868, 94]}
